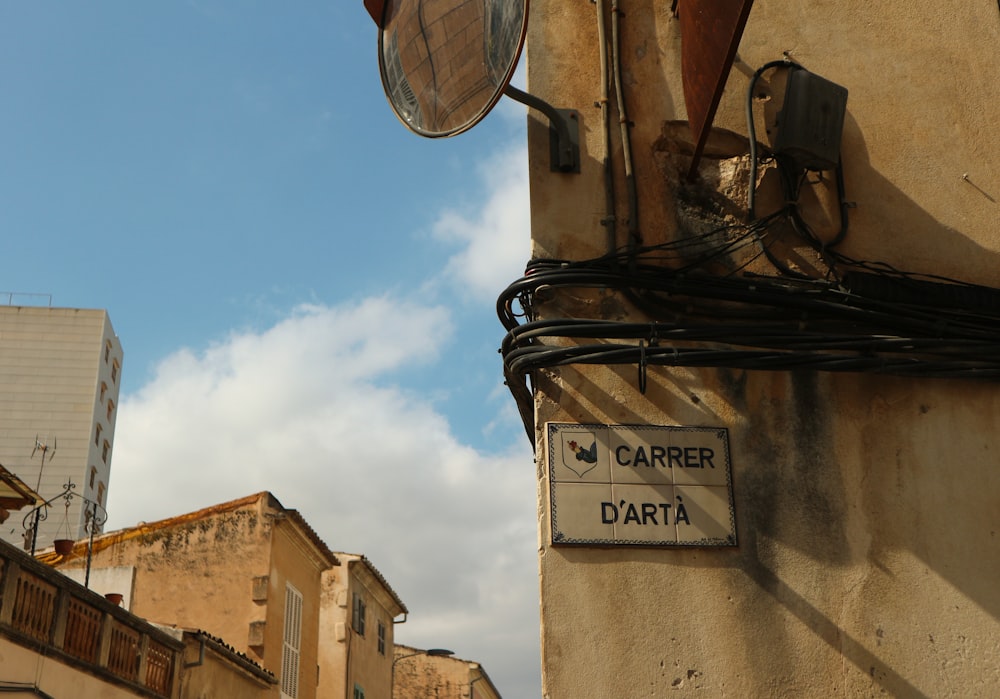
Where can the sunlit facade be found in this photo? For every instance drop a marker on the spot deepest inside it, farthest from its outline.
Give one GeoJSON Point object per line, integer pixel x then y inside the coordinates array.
{"type": "Point", "coordinates": [829, 322]}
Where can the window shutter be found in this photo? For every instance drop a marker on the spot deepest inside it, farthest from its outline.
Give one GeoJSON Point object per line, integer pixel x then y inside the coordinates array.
{"type": "Point", "coordinates": [292, 643]}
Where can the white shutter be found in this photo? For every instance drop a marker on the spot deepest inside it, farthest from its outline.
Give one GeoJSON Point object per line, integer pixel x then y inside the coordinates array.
{"type": "Point", "coordinates": [292, 643]}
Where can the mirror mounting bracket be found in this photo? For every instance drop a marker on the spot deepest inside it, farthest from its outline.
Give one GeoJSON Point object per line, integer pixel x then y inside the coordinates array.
{"type": "Point", "coordinates": [564, 130]}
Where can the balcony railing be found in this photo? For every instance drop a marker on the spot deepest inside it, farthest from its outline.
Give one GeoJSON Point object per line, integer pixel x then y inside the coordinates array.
{"type": "Point", "coordinates": [41, 608]}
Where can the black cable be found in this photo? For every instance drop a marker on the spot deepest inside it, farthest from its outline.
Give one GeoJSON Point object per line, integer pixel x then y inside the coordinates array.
{"type": "Point", "coordinates": [752, 130]}
{"type": "Point", "coordinates": [790, 177]}
{"type": "Point", "coordinates": [930, 326]}
{"type": "Point", "coordinates": [791, 296]}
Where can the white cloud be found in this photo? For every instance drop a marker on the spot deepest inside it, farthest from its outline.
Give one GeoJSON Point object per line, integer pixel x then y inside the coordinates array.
{"type": "Point", "coordinates": [495, 236]}
{"type": "Point", "coordinates": [314, 410]}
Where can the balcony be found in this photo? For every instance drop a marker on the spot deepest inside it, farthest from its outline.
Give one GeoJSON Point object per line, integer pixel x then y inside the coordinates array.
{"type": "Point", "coordinates": [44, 611]}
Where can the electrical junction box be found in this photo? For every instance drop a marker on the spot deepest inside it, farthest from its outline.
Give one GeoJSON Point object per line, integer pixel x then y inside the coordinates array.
{"type": "Point", "coordinates": [811, 121]}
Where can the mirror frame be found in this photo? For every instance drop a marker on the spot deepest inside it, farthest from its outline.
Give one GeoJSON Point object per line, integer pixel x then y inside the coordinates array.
{"type": "Point", "coordinates": [391, 86]}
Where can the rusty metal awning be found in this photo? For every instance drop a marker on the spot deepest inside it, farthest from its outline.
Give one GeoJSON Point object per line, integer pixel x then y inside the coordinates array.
{"type": "Point", "coordinates": [710, 35]}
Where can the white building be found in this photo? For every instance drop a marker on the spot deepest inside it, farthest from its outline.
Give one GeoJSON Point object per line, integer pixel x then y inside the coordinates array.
{"type": "Point", "coordinates": [60, 371]}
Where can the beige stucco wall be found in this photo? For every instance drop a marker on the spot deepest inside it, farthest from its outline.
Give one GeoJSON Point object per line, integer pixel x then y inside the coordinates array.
{"type": "Point", "coordinates": [334, 621]}
{"type": "Point", "coordinates": [23, 666]}
{"type": "Point", "coordinates": [294, 562]}
{"type": "Point", "coordinates": [865, 505]}
{"type": "Point", "coordinates": [199, 574]}
{"type": "Point", "coordinates": [209, 674]}
{"type": "Point", "coordinates": [420, 675]}
{"type": "Point", "coordinates": [348, 658]}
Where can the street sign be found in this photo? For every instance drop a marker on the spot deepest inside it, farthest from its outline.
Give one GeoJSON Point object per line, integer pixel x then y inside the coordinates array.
{"type": "Point", "coordinates": [640, 485]}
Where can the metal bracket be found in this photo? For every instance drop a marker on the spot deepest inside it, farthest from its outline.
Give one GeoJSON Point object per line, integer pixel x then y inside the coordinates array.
{"type": "Point", "coordinates": [564, 130]}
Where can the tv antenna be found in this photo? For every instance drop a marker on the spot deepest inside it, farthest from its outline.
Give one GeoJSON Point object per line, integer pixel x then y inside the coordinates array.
{"type": "Point", "coordinates": [45, 449]}
{"type": "Point", "coordinates": [31, 531]}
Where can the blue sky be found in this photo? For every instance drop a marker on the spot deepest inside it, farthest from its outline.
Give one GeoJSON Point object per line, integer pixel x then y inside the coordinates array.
{"type": "Point", "coordinates": [304, 290]}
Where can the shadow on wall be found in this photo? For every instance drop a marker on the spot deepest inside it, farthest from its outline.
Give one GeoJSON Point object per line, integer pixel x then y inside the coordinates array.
{"type": "Point", "coordinates": [841, 510]}
{"type": "Point", "coordinates": [823, 627]}
{"type": "Point", "coordinates": [854, 494]}
{"type": "Point", "coordinates": [887, 226]}
{"type": "Point", "coordinates": [849, 472]}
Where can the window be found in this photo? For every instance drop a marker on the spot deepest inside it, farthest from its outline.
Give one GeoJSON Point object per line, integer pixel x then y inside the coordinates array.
{"type": "Point", "coordinates": [358, 615]}
{"type": "Point", "coordinates": [114, 371]}
{"type": "Point", "coordinates": [97, 433]}
{"type": "Point", "coordinates": [107, 351]}
{"type": "Point", "coordinates": [93, 475]}
{"type": "Point", "coordinates": [359, 693]}
{"type": "Point", "coordinates": [104, 451]}
{"type": "Point", "coordinates": [104, 390]}
{"type": "Point", "coordinates": [100, 494]}
{"type": "Point", "coordinates": [381, 638]}
{"type": "Point", "coordinates": [111, 408]}
{"type": "Point", "coordinates": [293, 639]}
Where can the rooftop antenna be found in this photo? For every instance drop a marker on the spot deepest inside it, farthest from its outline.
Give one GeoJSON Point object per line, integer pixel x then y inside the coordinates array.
{"type": "Point", "coordinates": [31, 533]}
{"type": "Point", "coordinates": [45, 449]}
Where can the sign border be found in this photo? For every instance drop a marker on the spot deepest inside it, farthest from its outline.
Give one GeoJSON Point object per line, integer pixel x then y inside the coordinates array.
{"type": "Point", "coordinates": [558, 538]}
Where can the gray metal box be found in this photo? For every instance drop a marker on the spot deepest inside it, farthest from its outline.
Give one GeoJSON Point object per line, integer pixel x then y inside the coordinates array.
{"type": "Point", "coordinates": [811, 121]}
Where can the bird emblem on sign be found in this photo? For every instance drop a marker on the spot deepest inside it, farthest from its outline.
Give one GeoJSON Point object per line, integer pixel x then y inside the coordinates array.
{"type": "Point", "coordinates": [578, 458]}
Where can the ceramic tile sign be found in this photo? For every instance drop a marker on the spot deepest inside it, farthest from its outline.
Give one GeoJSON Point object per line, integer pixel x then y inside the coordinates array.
{"type": "Point", "coordinates": [640, 485]}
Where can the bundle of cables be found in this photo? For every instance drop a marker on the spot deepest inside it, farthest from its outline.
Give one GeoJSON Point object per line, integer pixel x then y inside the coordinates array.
{"type": "Point", "coordinates": [860, 317]}
{"type": "Point", "coordinates": [874, 319]}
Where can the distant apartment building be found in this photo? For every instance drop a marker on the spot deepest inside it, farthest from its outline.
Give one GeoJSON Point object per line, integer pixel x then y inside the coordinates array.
{"type": "Point", "coordinates": [60, 373]}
